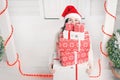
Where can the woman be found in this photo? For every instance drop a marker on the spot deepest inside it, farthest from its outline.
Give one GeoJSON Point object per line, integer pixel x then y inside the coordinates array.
{"type": "Point", "coordinates": [72, 16]}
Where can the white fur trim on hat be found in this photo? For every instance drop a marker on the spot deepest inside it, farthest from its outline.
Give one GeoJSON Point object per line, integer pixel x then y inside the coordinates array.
{"type": "Point", "coordinates": [75, 15]}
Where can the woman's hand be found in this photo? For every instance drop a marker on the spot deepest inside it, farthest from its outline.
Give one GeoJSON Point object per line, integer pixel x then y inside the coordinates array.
{"type": "Point", "coordinates": [89, 69]}
{"type": "Point", "coordinates": [51, 68]}
{"type": "Point", "coordinates": [111, 64]}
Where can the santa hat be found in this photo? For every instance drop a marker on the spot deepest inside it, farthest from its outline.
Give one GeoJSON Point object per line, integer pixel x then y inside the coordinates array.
{"type": "Point", "coordinates": [71, 11]}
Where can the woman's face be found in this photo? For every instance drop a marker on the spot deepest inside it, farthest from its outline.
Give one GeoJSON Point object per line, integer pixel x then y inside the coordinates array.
{"type": "Point", "coordinates": [73, 20]}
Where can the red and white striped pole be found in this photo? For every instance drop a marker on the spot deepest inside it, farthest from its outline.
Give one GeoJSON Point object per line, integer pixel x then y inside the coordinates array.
{"type": "Point", "coordinates": [110, 7]}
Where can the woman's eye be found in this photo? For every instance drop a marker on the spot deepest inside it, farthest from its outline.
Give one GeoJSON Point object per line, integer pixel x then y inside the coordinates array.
{"type": "Point", "coordinates": [70, 19]}
{"type": "Point", "coordinates": [76, 20]}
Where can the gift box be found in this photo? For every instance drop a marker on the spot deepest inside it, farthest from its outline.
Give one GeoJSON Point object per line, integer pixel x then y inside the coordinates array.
{"type": "Point", "coordinates": [73, 35]}
{"type": "Point", "coordinates": [67, 31]}
{"type": "Point", "coordinates": [66, 34]}
{"type": "Point", "coordinates": [73, 42]}
{"type": "Point", "coordinates": [77, 35]}
{"type": "Point", "coordinates": [67, 45]}
{"type": "Point", "coordinates": [68, 48]}
{"type": "Point", "coordinates": [69, 27]}
{"type": "Point", "coordinates": [70, 72]}
{"type": "Point", "coordinates": [68, 58]}
{"type": "Point", "coordinates": [82, 57]}
{"type": "Point", "coordinates": [74, 31]}
{"type": "Point", "coordinates": [79, 27]}
{"type": "Point", "coordinates": [85, 44]}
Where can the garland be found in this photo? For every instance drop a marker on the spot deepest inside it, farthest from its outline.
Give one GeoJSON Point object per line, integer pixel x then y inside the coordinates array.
{"type": "Point", "coordinates": [113, 49]}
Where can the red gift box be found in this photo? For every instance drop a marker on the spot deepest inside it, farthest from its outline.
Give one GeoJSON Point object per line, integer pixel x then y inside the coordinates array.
{"type": "Point", "coordinates": [82, 57]}
{"type": "Point", "coordinates": [67, 48]}
{"type": "Point", "coordinates": [86, 35]}
{"type": "Point", "coordinates": [79, 28]}
{"type": "Point", "coordinates": [85, 45]}
{"type": "Point", "coordinates": [66, 51]}
{"type": "Point", "coordinates": [68, 58]}
{"type": "Point", "coordinates": [74, 28]}
{"type": "Point", "coordinates": [69, 27]}
{"type": "Point", "coordinates": [67, 45]}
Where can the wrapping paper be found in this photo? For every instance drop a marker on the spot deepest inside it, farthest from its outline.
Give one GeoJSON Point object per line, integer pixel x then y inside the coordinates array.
{"type": "Point", "coordinates": [79, 27]}
{"type": "Point", "coordinates": [68, 47]}
{"type": "Point", "coordinates": [69, 27]}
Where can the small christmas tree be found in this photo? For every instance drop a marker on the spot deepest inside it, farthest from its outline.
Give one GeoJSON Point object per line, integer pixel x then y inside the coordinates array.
{"type": "Point", "coordinates": [113, 49]}
{"type": "Point", "coordinates": [2, 50]}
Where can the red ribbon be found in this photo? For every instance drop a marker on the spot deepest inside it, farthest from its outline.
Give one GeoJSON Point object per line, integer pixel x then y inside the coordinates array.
{"type": "Point", "coordinates": [68, 34]}
{"type": "Point", "coordinates": [76, 66]}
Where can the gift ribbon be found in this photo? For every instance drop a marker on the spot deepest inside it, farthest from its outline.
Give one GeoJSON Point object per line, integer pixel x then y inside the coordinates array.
{"type": "Point", "coordinates": [79, 42]}
{"type": "Point", "coordinates": [76, 66]}
{"type": "Point", "coordinates": [68, 34]}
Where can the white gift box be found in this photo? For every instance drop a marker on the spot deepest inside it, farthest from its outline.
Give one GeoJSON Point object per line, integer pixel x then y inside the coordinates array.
{"type": "Point", "coordinates": [69, 72]}
{"type": "Point", "coordinates": [73, 35]}
{"type": "Point", "coordinates": [77, 35]}
{"type": "Point", "coordinates": [65, 34]}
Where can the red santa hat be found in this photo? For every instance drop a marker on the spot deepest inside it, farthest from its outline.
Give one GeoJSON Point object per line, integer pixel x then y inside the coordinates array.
{"type": "Point", "coordinates": [71, 11]}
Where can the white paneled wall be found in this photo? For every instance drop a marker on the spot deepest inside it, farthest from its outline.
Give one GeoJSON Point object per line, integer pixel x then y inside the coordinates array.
{"type": "Point", "coordinates": [50, 10]}
{"type": "Point", "coordinates": [97, 8]}
{"type": "Point", "coordinates": [36, 25]}
{"type": "Point", "coordinates": [54, 8]}
{"type": "Point", "coordinates": [117, 22]}
{"type": "Point", "coordinates": [24, 8]}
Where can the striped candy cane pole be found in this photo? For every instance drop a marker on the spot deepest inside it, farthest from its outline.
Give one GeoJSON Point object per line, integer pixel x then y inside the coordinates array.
{"type": "Point", "coordinates": [110, 7]}
{"type": "Point", "coordinates": [6, 31]}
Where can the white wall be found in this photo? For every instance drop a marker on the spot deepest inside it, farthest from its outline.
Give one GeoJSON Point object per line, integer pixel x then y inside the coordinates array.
{"type": "Point", "coordinates": [35, 36]}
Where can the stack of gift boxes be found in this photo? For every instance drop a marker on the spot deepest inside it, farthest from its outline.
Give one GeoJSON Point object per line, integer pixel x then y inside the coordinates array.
{"type": "Point", "coordinates": [73, 47]}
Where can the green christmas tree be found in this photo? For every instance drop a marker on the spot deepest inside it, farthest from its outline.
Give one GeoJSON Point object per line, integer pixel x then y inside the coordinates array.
{"type": "Point", "coordinates": [113, 49]}
{"type": "Point", "coordinates": [2, 50]}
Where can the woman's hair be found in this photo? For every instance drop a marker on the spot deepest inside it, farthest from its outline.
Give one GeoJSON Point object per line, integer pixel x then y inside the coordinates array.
{"type": "Point", "coordinates": [64, 24]}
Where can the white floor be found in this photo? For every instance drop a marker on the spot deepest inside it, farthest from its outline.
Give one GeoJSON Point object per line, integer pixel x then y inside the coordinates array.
{"type": "Point", "coordinates": [12, 73]}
